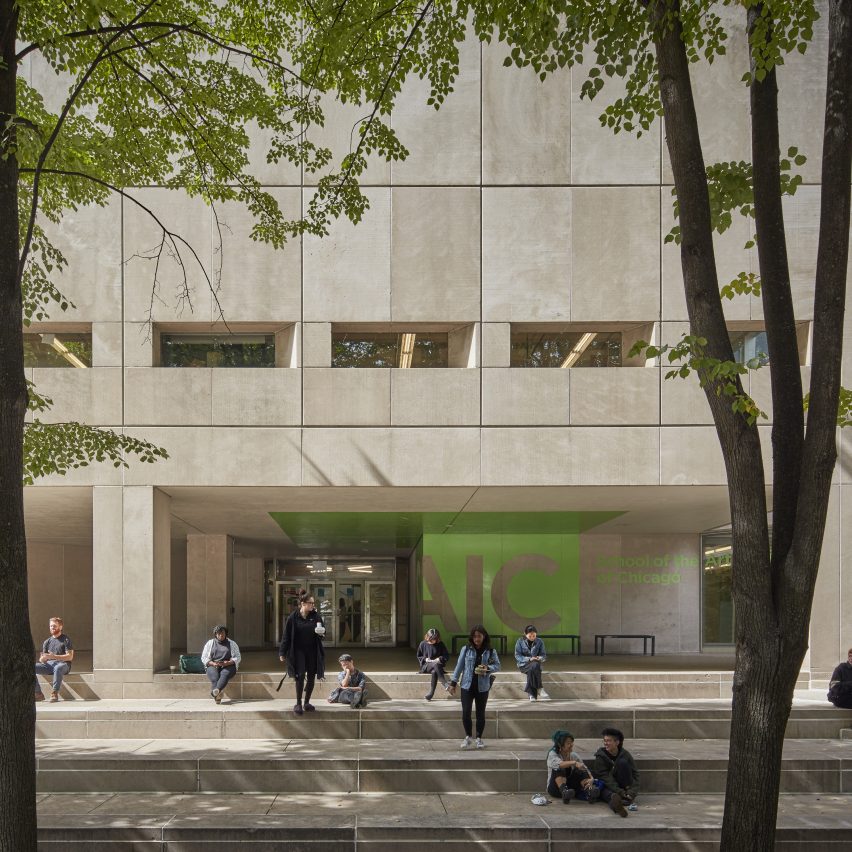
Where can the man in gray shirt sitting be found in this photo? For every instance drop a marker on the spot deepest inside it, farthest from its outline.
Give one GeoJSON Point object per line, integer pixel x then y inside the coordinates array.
{"type": "Point", "coordinates": [57, 652]}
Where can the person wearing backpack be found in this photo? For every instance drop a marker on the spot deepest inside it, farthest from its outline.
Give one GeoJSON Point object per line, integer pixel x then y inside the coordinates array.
{"type": "Point", "coordinates": [477, 664]}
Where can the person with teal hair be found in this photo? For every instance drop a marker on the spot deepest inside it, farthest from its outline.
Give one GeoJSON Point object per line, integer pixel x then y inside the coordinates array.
{"type": "Point", "coordinates": [567, 776]}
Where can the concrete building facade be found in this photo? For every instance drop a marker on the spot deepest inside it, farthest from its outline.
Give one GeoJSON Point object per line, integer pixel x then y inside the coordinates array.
{"type": "Point", "coordinates": [586, 498]}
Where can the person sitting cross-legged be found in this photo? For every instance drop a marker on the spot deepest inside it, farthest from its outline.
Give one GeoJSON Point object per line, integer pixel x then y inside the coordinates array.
{"type": "Point", "coordinates": [221, 659]}
{"type": "Point", "coordinates": [567, 776]}
{"type": "Point", "coordinates": [57, 652]}
{"type": "Point", "coordinates": [614, 765]}
{"type": "Point", "coordinates": [351, 685]}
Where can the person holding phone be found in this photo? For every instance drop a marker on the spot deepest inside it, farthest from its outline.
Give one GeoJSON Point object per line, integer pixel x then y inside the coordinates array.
{"type": "Point", "coordinates": [302, 649]}
{"type": "Point", "coordinates": [477, 664]}
{"type": "Point", "coordinates": [432, 656]}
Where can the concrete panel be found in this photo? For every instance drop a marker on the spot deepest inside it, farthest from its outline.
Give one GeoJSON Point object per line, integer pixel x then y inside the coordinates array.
{"type": "Point", "coordinates": [347, 397]}
{"type": "Point", "coordinates": [434, 397]}
{"type": "Point", "coordinates": [170, 290]}
{"type": "Point", "coordinates": [526, 254]}
{"type": "Point", "coordinates": [496, 344]}
{"type": "Point", "coordinates": [690, 456]}
{"type": "Point", "coordinates": [107, 577]}
{"type": "Point", "coordinates": [77, 594]}
{"type": "Point", "coordinates": [167, 396]}
{"type": "Point", "coordinates": [616, 257]}
{"type": "Point", "coordinates": [256, 397]}
{"type": "Point", "coordinates": [682, 401]}
{"type": "Point", "coordinates": [209, 456]}
{"type": "Point", "coordinates": [88, 396]}
{"type": "Point", "coordinates": [347, 273]}
{"type": "Point", "coordinates": [258, 282]}
{"type": "Point", "coordinates": [106, 344]}
{"type": "Point", "coordinates": [599, 156]}
{"type": "Point", "coordinates": [316, 344]}
{"type": "Point", "coordinates": [615, 396]}
{"type": "Point", "coordinates": [340, 135]}
{"type": "Point", "coordinates": [282, 173]}
{"type": "Point", "coordinates": [732, 258]}
{"type": "Point", "coordinates": [45, 594]}
{"type": "Point", "coordinates": [444, 146]}
{"type": "Point", "coordinates": [409, 457]}
{"type": "Point", "coordinates": [570, 456]}
{"type": "Point", "coordinates": [137, 605]}
{"type": "Point", "coordinates": [526, 123]}
{"type": "Point", "coordinates": [90, 240]}
{"type": "Point", "coordinates": [434, 262]}
{"type": "Point", "coordinates": [525, 397]}
{"type": "Point", "coordinates": [829, 637]}
{"type": "Point", "coordinates": [138, 345]}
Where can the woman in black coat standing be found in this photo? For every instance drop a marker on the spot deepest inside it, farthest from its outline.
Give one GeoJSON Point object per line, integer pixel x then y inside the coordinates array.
{"type": "Point", "coordinates": [302, 649]}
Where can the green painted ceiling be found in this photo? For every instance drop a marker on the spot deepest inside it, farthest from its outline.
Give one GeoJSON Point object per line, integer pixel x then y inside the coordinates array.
{"type": "Point", "coordinates": [397, 533]}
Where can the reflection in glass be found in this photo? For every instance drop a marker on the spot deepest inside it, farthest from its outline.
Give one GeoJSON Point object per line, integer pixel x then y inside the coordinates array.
{"type": "Point", "coordinates": [716, 600]}
{"type": "Point", "coordinates": [389, 349]}
{"type": "Point", "coordinates": [57, 349]}
{"type": "Point", "coordinates": [380, 597]}
{"type": "Point", "coordinates": [233, 350]}
{"type": "Point", "coordinates": [566, 349]}
{"type": "Point", "coordinates": [748, 345]}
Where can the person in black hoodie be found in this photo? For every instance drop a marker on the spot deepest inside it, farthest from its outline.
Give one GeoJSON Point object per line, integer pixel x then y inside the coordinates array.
{"type": "Point", "coordinates": [302, 649]}
{"type": "Point", "coordinates": [432, 656]}
{"type": "Point", "coordinates": [614, 766]}
{"type": "Point", "coordinates": [840, 685]}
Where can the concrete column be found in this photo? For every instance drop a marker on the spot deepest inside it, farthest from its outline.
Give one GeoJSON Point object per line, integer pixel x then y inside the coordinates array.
{"type": "Point", "coordinates": [209, 586]}
{"type": "Point", "coordinates": [130, 582]}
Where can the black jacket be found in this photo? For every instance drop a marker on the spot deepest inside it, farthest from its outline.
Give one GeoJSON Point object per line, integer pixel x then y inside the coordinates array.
{"type": "Point", "coordinates": [840, 685]}
{"type": "Point", "coordinates": [427, 652]}
{"type": "Point", "coordinates": [603, 768]}
{"type": "Point", "coordinates": [287, 648]}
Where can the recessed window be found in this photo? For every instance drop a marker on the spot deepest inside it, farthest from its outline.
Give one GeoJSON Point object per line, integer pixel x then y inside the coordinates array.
{"type": "Point", "coordinates": [389, 349]}
{"type": "Point", "coordinates": [566, 349]}
{"type": "Point", "coordinates": [748, 345]}
{"type": "Point", "coordinates": [226, 350]}
{"type": "Point", "coordinates": [57, 349]}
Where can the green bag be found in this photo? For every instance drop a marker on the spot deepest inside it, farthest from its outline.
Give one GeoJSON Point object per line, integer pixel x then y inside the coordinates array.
{"type": "Point", "coordinates": [190, 664]}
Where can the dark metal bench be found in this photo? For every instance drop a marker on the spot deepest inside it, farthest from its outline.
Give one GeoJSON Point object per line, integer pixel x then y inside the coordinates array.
{"type": "Point", "coordinates": [501, 637]}
{"type": "Point", "coordinates": [600, 640]}
{"type": "Point", "coordinates": [574, 637]}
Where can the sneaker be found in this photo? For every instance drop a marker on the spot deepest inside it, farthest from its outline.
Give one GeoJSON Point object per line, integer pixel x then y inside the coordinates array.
{"type": "Point", "coordinates": [297, 709]}
{"type": "Point", "coordinates": [543, 695]}
{"type": "Point", "coordinates": [633, 807]}
{"type": "Point", "coordinates": [466, 743]}
{"type": "Point", "coordinates": [39, 696]}
{"type": "Point", "coordinates": [617, 806]}
{"type": "Point", "coordinates": [479, 743]}
{"type": "Point", "coordinates": [567, 795]}
{"type": "Point", "coordinates": [54, 696]}
{"type": "Point", "coordinates": [217, 696]}
{"type": "Point", "coordinates": [428, 697]}
{"type": "Point", "coordinates": [309, 708]}
{"type": "Point", "coordinates": [532, 697]}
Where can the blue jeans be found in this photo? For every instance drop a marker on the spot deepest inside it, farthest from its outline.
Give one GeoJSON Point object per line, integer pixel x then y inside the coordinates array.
{"type": "Point", "coordinates": [57, 669]}
{"type": "Point", "coordinates": [219, 677]}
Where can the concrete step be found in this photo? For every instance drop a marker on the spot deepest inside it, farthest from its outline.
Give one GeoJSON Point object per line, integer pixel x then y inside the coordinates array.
{"type": "Point", "coordinates": [413, 720]}
{"type": "Point", "coordinates": [591, 685]}
{"type": "Point", "coordinates": [383, 766]}
{"type": "Point", "coordinates": [450, 822]}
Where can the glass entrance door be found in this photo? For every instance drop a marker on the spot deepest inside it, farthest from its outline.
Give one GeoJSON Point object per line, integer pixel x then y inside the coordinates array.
{"type": "Point", "coordinates": [350, 629]}
{"type": "Point", "coordinates": [286, 600]}
{"type": "Point", "coordinates": [381, 613]}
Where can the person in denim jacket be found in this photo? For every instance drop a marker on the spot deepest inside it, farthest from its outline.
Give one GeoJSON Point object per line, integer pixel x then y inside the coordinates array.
{"type": "Point", "coordinates": [530, 656]}
{"type": "Point", "coordinates": [474, 671]}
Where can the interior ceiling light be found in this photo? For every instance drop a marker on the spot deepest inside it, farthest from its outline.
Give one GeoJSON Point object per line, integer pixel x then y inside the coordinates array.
{"type": "Point", "coordinates": [725, 549]}
{"type": "Point", "coordinates": [62, 349]}
{"type": "Point", "coordinates": [579, 348]}
{"type": "Point", "coordinates": [407, 350]}
{"type": "Point", "coordinates": [361, 569]}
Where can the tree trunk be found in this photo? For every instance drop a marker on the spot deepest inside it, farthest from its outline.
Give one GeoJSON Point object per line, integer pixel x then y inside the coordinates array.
{"type": "Point", "coordinates": [17, 711]}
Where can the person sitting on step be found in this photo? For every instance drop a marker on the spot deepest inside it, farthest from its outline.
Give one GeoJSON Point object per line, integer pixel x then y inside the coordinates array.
{"type": "Point", "coordinates": [840, 685]}
{"type": "Point", "coordinates": [614, 765]}
{"type": "Point", "coordinates": [57, 652]}
{"type": "Point", "coordinates": [567, 776]}
{"type": "Point", "coordinates": [351, 685]}
{"type": "Point", "coordinates": [221, 659]}
{"type": "Point", "coordinates": [530, 656]}
{"type": "Point", "coordinates": [432, 656]}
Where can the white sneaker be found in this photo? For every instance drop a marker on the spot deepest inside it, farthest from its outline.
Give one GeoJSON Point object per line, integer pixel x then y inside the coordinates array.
{"type": "Point", "coordinates": [465, 743]}
{"type": "Point", "coordinates": [479, 743]}
{"type": "Point", "coordinates": [532, 698]}
{"type": "Point", "coordinates": [543, 695]}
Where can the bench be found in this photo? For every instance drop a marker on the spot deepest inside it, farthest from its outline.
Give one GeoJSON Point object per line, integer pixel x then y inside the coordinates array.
{"type": "Point", "coordinates": [600, 640]}
{"type": "Point", "coordinates": [574, 637]}
{"type": "Point", "coordinates": [501, 637]}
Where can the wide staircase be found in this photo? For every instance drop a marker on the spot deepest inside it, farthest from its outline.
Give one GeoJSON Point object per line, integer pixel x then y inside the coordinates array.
{"type": "Point", "coordinates": [174, 771]}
